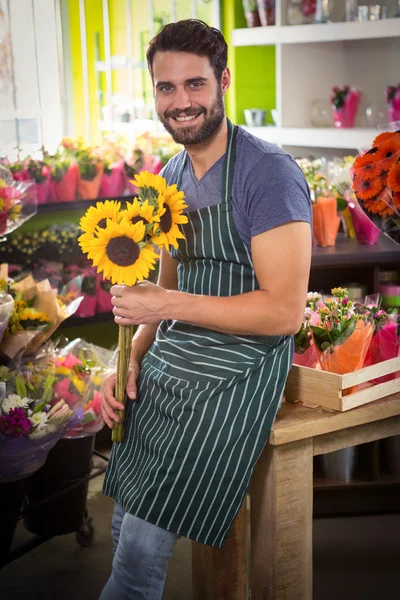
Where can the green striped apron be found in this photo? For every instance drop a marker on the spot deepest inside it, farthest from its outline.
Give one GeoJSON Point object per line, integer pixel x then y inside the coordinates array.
{"type": "Point", "coordinates": [207, 400]}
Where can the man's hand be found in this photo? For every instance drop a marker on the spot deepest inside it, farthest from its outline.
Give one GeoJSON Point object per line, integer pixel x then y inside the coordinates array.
{"type": "Point", "coordinates": [144, 303]}
{"type": "Point", "coordinates": [109, 403]}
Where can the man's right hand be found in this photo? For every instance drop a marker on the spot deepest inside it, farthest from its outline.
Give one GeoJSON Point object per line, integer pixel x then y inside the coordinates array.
{"type": "Point", "coordinates": [109, 404]}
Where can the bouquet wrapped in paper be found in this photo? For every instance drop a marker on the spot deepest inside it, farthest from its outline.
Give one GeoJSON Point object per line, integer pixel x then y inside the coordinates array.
{"type": "Point", "coordinates": [376, 183]}
{"type": "Point", "coordinates": [304, 348]}
{"type": "Point", "coordinates": [64, 178]}
{"type": "Point", "coordinates": [38, 172]}
{"type": "Point", "coordinates": [385, 342]}
{"type": "Point", "coordinates": [342, 336]}
{"type": "Point", "coordinates": [30, 423]}
{"type": "Point", "coordinates": [6, 310]}
{"type": "Point", "coordinates": [18, 201]}
{"type": "Point", "coordinates": [38, 311]}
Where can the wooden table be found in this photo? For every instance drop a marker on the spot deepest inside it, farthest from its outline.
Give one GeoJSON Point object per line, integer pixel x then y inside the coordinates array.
{"type": "Point", "coordinates": [281, 498]}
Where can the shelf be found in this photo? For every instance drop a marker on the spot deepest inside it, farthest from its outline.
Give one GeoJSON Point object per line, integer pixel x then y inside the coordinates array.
{"type": "Point", "coordinates": [320, 483]}
{"type": "Point", "coordinates": [348, 252]}
{"type": "Point", "coordinates": [316, 137]}
{"type": "Point", "coordinates": [78, 321]}
{"type": "Point", "coordinates": [325, 32]}
{"type": "Point", "coordinates": [75, 204]}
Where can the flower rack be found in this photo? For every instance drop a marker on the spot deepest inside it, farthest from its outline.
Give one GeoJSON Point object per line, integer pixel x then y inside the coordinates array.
{"type": "Point", "coordinates": [328, 389]}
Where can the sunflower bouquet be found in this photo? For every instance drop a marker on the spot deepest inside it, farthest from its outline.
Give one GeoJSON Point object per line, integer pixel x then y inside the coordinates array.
{"type": "Point", "coordinates": [376, 183]}
{"type": "Point", "coordinates": [122, 244]}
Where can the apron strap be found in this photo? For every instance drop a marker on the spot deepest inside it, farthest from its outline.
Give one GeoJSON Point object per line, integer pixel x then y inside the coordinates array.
{"type": "Point", "coordinates": [229, 164]}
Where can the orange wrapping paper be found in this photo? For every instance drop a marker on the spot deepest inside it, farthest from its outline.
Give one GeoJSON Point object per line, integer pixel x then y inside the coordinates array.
{"type": "Point", "coordinates": [326, 221]}
{"type": "Point", "coordinates": [89, 190]}
{"type": "Point", "coordinates": [350, 355]}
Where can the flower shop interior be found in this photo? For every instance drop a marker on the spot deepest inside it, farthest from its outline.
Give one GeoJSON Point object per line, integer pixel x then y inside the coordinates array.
{"type": "Point", "coordinates": [319, 78]}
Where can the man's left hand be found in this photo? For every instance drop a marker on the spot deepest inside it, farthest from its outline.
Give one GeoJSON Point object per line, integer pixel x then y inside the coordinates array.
{"type": "Point", "coordinates": [143, 303]}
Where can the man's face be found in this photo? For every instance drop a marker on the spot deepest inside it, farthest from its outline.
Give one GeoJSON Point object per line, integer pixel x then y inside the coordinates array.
{"type": "Point", "coordinates": [188, 98]}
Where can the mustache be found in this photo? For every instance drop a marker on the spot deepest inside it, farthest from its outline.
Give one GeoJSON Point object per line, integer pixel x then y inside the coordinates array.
{"type": "Point", "coordinates": [184, 113]}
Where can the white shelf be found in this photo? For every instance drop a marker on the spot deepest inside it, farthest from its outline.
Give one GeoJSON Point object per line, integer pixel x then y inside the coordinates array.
{"type": "Point", "coordinates": [351, 139]}
{"type": "Point", "coordinates": [325, 32]}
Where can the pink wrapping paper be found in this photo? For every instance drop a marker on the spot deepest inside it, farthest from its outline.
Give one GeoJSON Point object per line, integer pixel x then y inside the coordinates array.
{"type": "Point", "coordinates": [87, 307]}
{"type": "Point", "coordinates": [384, 346]}
{"type": "Point", "coordinates": [309, 358]}
{"type": "Point", "coordinates": [366, 231]}
{"type": "Point", "coordinates": [346, 116]}
{"type": "Point", "coordinates": [42, 191]}
{"type": "Point", "coordinates": [65, 190]}
{"type": "Point", "coordinates": [113, 185]}
{"type": "Point", "coordinates": [103, 303]}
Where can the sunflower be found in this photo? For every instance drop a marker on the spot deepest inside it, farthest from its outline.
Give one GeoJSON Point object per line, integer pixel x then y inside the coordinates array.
{"type": "Point", "coordinates": [96, 216]}
{"type": "Point", "coordinates": [146, 212]}
{"type": "Point", "coordinates": [167, 232]}
{"type": "Point", "coordinates": [119, 251]}
{"type": "Point", "coordinates": [152, 182]}
{"type": "Point", "coordinates": [394, 177]}
{"type": "Point", "coordinates": [33, 316]}
{"type": "Point", "coordinates": [367, 188]}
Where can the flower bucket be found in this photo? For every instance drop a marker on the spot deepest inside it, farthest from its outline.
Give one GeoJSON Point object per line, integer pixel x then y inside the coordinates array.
{"type": "Point", "coordinates": [89, 190]}
{"type": "Point", "coordinates": [65, 189]}
{"type": "Point", "coordinates": [103, 296]}
{"type": "Point", "coordinates": [326, 221]}
{"type": "Point", "coordinates": [68, 463]}
{"type": "Point", "coordinates": [11, 498]}
{"type": "Point", "coordinates": [113, 184]}
{"type": "Point", "coordinates": [43, 191]}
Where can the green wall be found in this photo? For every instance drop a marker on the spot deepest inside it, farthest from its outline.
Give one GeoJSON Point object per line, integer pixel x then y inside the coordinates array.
{"type": "Point", "coordinates": [252, 68]}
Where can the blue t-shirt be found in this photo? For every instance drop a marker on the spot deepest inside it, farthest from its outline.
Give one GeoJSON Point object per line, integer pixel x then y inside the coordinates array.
{"type": "Point", "coordinates": [269, 188]}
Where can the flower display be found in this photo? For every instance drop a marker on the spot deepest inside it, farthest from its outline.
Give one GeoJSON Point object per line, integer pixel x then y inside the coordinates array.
{"type": "Point", "coordinates": [393, 102]}
{"type": "Point", "coordinates": [122, 248]}
{"type": "Point", "coordinates": [376, 182]}
{"type": "Point", "coordinates": [342, 336]}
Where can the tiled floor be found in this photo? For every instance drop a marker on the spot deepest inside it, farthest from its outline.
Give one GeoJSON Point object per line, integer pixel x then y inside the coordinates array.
{"type": "Point", "coordinates": [354, 559]}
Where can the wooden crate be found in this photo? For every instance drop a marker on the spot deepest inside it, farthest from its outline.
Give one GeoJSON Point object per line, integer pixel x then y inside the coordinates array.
{"type": "Point", "coordinates": [313, 386]}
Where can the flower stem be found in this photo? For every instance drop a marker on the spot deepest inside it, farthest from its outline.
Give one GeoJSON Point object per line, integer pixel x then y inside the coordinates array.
{"type": "Point", "coordinates": [125, 334]}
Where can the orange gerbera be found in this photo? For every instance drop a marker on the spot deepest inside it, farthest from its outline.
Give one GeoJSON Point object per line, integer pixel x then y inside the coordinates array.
{"type": "Point", "coordinates": [369, 171]}
{"type": "Point", "coordinates": [379, 205]}
{"type": "Point", "coordinates": [382, 137]}
{"type": "Point", "coordinates": [367, 188]}
{"type": "Point", "coordinates": [366, 159]}
{"type": "Point", "coordinates": [394, 177]}
{"type": "Point", "coordinates": [389, 151]}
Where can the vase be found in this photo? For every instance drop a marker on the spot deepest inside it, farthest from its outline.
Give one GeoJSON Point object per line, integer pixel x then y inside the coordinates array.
{"type": "Point", "coordinates": [345, 116]}
{"type": "Point", "coordinates": [339, 465]}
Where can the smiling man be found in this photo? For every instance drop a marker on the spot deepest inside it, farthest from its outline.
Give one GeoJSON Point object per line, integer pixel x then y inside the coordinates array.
{"type": "Point", "coordinates": [211, 355]}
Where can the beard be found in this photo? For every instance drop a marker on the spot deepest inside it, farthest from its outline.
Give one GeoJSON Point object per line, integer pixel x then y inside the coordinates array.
{"type": "Point", "coordinates": [190, 136]}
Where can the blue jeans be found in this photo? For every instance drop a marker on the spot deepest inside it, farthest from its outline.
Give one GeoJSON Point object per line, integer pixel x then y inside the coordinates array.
{"type": "Point", "coordinates": [141, 554]}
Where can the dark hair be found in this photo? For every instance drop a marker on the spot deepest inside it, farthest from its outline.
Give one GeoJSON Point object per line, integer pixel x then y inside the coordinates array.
{"type": "Point", "coordinates": [191, 35]}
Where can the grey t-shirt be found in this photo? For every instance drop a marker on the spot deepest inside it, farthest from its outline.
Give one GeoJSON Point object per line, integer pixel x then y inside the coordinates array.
{"type": "Point", "coordinates": [269, 188]}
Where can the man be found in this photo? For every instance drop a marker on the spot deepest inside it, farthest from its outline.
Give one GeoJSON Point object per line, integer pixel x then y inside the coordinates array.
{"type": "Point", "coordinates": [215, 344]}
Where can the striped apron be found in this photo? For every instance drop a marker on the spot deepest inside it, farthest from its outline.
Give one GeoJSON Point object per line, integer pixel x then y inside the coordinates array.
{"type": "Point", "coordinates": [206, 400]}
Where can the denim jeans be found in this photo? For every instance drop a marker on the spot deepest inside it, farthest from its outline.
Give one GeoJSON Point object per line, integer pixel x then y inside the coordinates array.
{"type": "Point", "coordinates": [141, 554]}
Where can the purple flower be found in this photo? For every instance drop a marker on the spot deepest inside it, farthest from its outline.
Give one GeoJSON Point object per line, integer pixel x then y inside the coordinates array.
{"type": "Point", "coordinates": [344, 301]}
{"type": "Point", "coordinates": [15, 423]}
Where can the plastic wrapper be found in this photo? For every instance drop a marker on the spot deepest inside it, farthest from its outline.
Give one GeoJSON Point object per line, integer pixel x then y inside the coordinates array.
{"type": "Point", "coordinates": [6, 310]}
{"type": "Point", "coordinates": [40, 310]}
{"type": "Point", "coordinates": [326, 221]}
{"type": "Point", "coordinates": [376, 182]}
{"type": "Point", "coordinates": [113, 184]}
{"type": "Point", "coordinates": [18, 201]}
{"type": "Point", "coordinates": [309, 358]}
{"type": "Point", "coordinates": [87, 307]}
{"type": "Point", "coordinates": [80, 369]}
